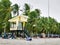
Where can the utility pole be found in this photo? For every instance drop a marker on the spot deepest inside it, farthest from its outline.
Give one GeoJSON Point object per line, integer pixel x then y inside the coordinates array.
{"type": "Point", "coordinates": [48, 17]}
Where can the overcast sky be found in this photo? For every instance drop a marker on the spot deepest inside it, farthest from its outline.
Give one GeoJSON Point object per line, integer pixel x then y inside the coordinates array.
{"type": "Point", "coordinates": [54, 7]}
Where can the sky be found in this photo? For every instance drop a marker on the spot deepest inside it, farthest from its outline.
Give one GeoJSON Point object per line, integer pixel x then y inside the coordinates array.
{"type": "Point", "coordinates": [51, 8]}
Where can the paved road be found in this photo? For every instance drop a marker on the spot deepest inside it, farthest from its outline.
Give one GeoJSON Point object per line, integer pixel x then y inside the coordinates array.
{"type": "Point", "coordinates": [39, 41]}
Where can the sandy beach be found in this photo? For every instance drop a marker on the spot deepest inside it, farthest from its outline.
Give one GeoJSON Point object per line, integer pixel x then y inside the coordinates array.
{"type": "Point", "coordinates": [38, 41]}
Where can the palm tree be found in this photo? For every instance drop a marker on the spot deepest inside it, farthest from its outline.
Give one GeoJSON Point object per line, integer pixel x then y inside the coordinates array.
{"type": "Point", "coordinates": [26, 9]}
{"type": "Point", "coordinates": [5, 13]}
{"type": "Point", "coordinates": [38, 12]}
{"type": "Point", "coordinates": [16, 9]}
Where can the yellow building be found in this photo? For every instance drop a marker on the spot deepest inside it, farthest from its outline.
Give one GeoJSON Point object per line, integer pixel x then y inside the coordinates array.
{"type": "Point", "coordinates": [18, 22]}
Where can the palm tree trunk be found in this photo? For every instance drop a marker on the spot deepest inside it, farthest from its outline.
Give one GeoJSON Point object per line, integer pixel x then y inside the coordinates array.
{"type": "Point", "coordinates": [17, 13]}
{"type": "Point", "coordinates": [4, 30]}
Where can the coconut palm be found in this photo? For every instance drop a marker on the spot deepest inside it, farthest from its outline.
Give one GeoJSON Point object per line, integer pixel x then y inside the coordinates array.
{"type": "Point", "coordinates": [5, 13]}
{"type": "Point", "coordinates": [26, 9]}
{"type": "Point", "coordinates": [16, 9]}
